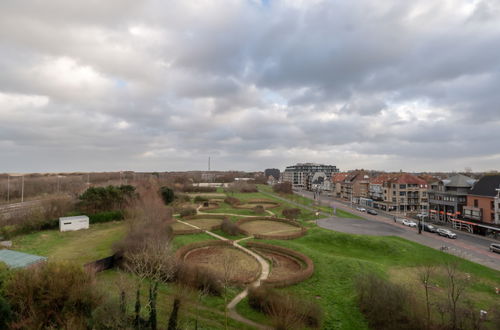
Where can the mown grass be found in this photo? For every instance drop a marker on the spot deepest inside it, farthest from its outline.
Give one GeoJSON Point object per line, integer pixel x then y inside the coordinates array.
{"type": "Point", "coordinates": [339, 258]}
{"type": "Point", "coordinates": [80, 246]}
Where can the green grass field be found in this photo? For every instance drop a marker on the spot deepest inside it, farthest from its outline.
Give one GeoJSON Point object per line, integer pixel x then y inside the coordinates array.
{"type": "Point", "coordinates": [80, 246]}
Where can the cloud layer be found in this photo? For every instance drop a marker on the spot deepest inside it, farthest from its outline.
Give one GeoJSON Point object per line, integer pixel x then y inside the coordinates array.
{"type": "Point", "coordinates": [155, 85]}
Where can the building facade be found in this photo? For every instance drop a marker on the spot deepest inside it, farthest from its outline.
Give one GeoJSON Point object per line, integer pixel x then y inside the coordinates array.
{"type": "Point", "coordinates": [301, 175]}
{"type": "Point", "coordinates": [355, 186]}
{"type": "Point", "coordinates": [274, 172]}
{"type": "Point", "coordinates": [400, 192]}
{"type": "Point", "coordinates": [448, 197]}
{"type": "Point", "coordinates": [482, 201]}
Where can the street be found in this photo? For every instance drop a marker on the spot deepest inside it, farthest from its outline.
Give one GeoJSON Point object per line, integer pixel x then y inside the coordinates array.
{"type": "Point", "coordinates": [468, 246]}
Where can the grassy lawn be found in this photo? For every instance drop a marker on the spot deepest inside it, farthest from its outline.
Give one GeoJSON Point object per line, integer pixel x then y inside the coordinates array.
{"type": "Point", "coordinates": [80, 246]}
{"type": "Point", "coordinates": [339, 258]}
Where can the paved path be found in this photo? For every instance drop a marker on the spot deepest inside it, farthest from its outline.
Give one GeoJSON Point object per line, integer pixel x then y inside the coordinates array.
{"type": "Point", "coordinates": [264, 274]}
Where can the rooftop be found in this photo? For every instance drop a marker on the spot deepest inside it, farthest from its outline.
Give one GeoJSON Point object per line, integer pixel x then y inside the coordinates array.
{"type": "Point", "coordinates": [15, 259]}
{"type": "Point", "coordinates": [486, 186]}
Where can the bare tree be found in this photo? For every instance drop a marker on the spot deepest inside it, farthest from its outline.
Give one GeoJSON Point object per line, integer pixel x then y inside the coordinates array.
{"type": "Point", "coordinates": [458, 282]}
{"type": "Point", "coordinates": [424, 276]}
{"type": "Point", "coordinates": [228, 272]}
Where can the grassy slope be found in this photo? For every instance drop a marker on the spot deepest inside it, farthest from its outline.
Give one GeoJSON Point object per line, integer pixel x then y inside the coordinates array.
{"type": "Point", "coordinates": [80, 246]}
{"type": "Point", "coordinates": [339, 257]}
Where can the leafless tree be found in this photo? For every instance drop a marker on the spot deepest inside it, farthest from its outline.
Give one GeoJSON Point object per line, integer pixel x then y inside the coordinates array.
{"type": "Point", "coordinates": [424, 276]}
{"type": "Point", "coordinates": [458, 283]}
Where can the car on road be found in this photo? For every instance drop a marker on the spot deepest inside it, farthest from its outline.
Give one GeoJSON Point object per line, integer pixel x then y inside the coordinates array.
{"type": "Point", "coordinates": [372, 212]}
{"type": "Point", "coordinates": [361, 209]}
{"type": "Point", "coordinates": [409, 223]}
{"type": "Point", "coordinates": [421, 216]}
{"type": "Point", "coordinates": [430, 228]}
{"type": "Point", "coordinates": [446, 233]}
{"type": "Point", "coordinates": [495, 247]}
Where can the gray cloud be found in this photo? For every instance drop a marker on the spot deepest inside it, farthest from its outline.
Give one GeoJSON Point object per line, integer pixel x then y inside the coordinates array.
{"type": "Point", "coordinates": [155, 86]}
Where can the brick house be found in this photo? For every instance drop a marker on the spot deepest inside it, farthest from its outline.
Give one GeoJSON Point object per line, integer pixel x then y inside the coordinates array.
{"type": "Point", "coordinates": [337, 180]}
{"type": "Point", "coordinates": [483, 204]}
{"type": "Point", "coordinates": [355, 186]}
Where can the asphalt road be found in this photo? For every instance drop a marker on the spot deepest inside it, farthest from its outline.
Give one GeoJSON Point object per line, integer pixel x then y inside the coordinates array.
{"type": "Point", "coordinates": [467, 246]}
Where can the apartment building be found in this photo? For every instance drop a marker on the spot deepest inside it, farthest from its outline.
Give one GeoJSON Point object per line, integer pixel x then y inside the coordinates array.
{"type": "Point", "coordinates": [483, 201]}
{"type": "Point", "coordinates": [401, 192]}
{"type": "Point", "coordinates": [447, 197]}
{"type": "Point", "coordinates": [304, 175]}
{"type": "Point", "coordinates": [337, 180]}
{"type": "Point", "coordinates": [355, 186]}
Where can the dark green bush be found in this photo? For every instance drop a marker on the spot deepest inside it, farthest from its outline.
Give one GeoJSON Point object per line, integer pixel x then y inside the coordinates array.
{"type": "Point", "coordinates": [106, 217]}
{"type": "Point", "coordinates": [187, 212]}
{"type": "Point", "coordinates": [167, 194]}
{"type": "Point", "coordinates": [199, 199]}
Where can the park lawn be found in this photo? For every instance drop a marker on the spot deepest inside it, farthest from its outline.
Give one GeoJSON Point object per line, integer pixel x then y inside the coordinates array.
{"type": "Point", "coordinates": [339, 258]}
{"type": "Point", "coordinates": [81, 246]}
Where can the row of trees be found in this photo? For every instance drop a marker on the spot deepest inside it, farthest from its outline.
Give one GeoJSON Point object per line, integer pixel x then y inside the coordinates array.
{"type": "Point", "coordinates": [110, 198]}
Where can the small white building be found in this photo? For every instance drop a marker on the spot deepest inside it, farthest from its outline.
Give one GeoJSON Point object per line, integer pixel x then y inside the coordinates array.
{"type": "Point", "coordinates": [73, 223]}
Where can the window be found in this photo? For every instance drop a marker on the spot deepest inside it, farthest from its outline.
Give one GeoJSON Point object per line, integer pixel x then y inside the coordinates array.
{"type": "Point", "coordinates": [394, 199]}
{"type": "Point", "coordinates": [402, 193]}
{"type": "Point", "coordinates": [402, 186]}
{"type": "Point", "coordinates": [492, 205]}
{"type": "Point", "coordinates": [476, 203]}
{"type": "Point", "coordinates": [393, 193]}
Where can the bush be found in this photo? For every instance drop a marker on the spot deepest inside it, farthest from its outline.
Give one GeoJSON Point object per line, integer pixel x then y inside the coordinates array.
{"type": "Point", "coordinates": [199, 278]}
{"type": "Point", "coordinates": [291, 213]}
{"type": "Point", "coordinates": [187, 212]}
{"type": "Point", "coordinates": [229, 227]}
{"type": "Point", "coordinates": [99, 199]}
{"type": "Point", "coordinates": [283, 188]}
{"type": "Point", "coordinates": [286, 311]}
{"type": "Point", "coordinates": [386, 305]}
{"type": "Point", "coordinates": [106, 217]}
{"type": "Point", "coordinates": [259, 209]}
{"type": "Point", "coordinates": [200, 199]}
{"type": "Point", "coordinates": [51, 295]}
{"type": "Point", "coordinates": [233, 201]}
{"type": "Point", "coordinates": [167, 195]}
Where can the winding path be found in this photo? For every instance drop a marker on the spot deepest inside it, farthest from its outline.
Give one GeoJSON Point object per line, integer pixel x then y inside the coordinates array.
{"type": "Point", "coordinates": [264, 274]}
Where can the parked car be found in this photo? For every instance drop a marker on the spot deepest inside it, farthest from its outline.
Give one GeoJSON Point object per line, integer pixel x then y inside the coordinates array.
{"type": "Point", "coordinates": [361, 209]}
{"type": "Point", "coordinates": [409, 223]}
{"type": "Point", "coordinates": [430, 228]}
{"type": "Point", "coordinates": [446, 233]}
{"type": "Point", "coordinates": [421, 216]}
{"type": "Point", "coordinates": [373, 212]}
{"type": "Point", "coordinates": [495, 247]}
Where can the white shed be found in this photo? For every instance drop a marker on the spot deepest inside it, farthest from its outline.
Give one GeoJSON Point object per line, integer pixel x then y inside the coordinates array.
{"type": "Point", "coordinates": [74, 223]}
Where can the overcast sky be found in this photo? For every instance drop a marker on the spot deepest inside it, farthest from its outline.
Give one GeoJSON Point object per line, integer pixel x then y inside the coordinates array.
{"type": "Point", "coordinates": [162, 85]}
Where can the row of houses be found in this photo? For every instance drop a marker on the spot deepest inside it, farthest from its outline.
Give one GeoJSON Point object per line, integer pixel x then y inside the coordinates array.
{"type": "Point", "coordinates": [458, 197]}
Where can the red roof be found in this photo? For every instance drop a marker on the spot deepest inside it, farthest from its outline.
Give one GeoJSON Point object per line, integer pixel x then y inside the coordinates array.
{"type": "Point", "coordinates": [339, 177]}
{"type": "Point", "coordinates": [406, 178]}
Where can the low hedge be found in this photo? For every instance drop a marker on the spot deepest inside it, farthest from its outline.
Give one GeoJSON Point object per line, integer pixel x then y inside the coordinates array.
{"type": "Point", "coordinates": [106, 217]}
{"type": "Point", "coordinates": [256, 202]}
{"type": "Point", "coordinates": [298, 234]}
{"type": "Point", "coordinates": [211, 206]}
{"type": "Point", "coordinates": [298, 277]}
{"type": "Point", "coordinates": [183, 250]}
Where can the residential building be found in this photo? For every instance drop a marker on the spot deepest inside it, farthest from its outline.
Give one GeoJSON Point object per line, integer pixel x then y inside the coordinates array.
{"type": "Point", "coordinates": [272, 172]}
{"type": "Point", "coordinates": [483, 200]}
{"type": "Point", "coordinates": [401, 192]}
{"type": "Point", "coordinates": [303, 175]}
{"type": "Point", "coordinates": [447, 197]}
{"type": "Point", "coordinates": [355, 186]}
{"type": "Point", "coordinates": [337, 180]}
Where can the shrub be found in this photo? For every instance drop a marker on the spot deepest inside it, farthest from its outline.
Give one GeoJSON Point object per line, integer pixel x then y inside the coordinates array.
{"type": "Point", "coordinates": [386, 305]}
{"type": "Point", "coordinates": [229, 227]}
{"type": "Point", "coordinates": [195, 189]}
{"type": "Point", "coordinates": [283, 188]}
{"type": "Point", "coordinates": [182, 198]}
{"type": "Point", "coordinates": [187, 212]}
{"type": "Point", "coordinates": [233, 201]}
{"type": "Point", "coordinates": [200, 199]}
{"type": "Point", "coordinates": [259, 209]}
{"type": "Point", "coordinates": [286, 311]}
{"type": "Point", "coordinates": [98, 199]}
{"type": "Point", "coordinates": [51, 295]}
{"type": "Point", "coordinates": [199, 278]}
{"type": "Point", "coordinates": [106, 217]}
{"type": "Point", "coordinates": [167, 195]}
{"type": "Point", "coordinates": [291, 213]}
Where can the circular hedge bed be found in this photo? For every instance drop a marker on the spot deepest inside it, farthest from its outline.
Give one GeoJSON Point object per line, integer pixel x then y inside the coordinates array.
{"type": "Point", "coordinates": [270, 228]}
{"type": "Point", "coordinates": [250, 204]}
{"type": "Point", "coordinates": [204, 221]}
{"type": "Point", "coordinates": [288, 267]}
